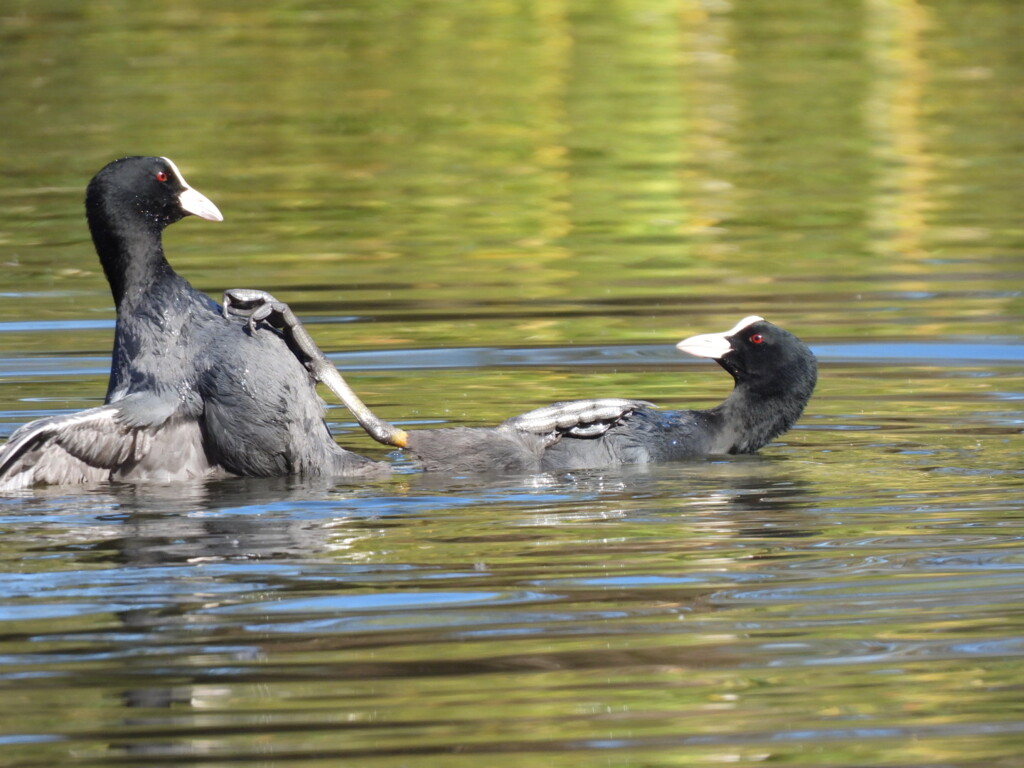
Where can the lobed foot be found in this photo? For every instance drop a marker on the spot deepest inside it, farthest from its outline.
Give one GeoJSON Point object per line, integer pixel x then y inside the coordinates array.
{"type": "Point", "coordinates": [260, 306]}
{"type": "Point", "coordinates": [257, 306]}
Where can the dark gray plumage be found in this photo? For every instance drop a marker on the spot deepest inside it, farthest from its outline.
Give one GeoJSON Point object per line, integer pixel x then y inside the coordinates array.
{"type": "Point", "coordinates": [520, 444]}
{"type": "Point", "coordinates": [192, 394]}
{"type": "Point", "coordinates": [774, 374]}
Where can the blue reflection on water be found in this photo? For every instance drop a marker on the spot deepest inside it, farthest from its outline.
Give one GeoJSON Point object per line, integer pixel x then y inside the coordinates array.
{"type": "Point", "coordinates": [946, 353]}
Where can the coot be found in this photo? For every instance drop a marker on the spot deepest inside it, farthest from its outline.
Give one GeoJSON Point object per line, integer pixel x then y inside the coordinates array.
{"type": "Point", "coordinates": [774, 374]}
{"type": "Point", "coordinates": [192, 394]}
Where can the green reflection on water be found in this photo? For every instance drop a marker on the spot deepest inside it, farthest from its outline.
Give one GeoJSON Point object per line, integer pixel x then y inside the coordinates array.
{"type": "Point", "coordinates": [553, 173]}
{"type": "Point", "coordinates": [686, 158]}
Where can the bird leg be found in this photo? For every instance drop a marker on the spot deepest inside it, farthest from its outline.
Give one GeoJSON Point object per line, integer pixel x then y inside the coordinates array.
{"type": "Point", "coordinates": [260, 306]}
{"type": "Point", "coordinates": [576, 418]}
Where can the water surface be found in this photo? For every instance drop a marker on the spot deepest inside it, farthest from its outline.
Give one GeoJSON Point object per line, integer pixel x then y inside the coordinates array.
{"type": "Point", "coordinates": [481, 208]}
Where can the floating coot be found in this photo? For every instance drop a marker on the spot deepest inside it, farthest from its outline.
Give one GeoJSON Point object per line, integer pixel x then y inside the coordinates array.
{"type": "Point", "coordinates": [774, 374]}
{"type": "Point", "coordinates": [192, 394]}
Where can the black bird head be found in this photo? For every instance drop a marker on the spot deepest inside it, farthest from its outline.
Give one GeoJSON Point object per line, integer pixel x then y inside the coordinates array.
{"type": "Point", "coordinates": [151, 187]}
{"type": "Point", "coordinates": [128, 204]}
{"type": "Point", "coordinates": [759, 355]}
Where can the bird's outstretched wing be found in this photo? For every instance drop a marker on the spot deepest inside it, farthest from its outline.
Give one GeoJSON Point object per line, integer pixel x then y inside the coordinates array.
{"type": "Point", "coordinates": [576, 418]}
{"type": "Point", "coordinates": [136, 437]}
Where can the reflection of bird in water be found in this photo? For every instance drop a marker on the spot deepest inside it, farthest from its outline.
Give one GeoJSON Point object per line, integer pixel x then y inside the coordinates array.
{"type": "Point", "coordinates": [236, 584]}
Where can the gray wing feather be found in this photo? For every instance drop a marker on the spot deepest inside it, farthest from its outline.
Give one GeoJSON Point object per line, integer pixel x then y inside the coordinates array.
{"type": "Point", "coordinates": [77, 448]}
{"type": "Point", "coordinates": [111, 442]}
{"type": "Point", "coordinates": [580, 418]}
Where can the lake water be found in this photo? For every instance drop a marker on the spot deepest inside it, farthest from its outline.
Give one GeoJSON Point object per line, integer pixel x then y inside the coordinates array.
{"type": "Point", "coordinates": [480, 208]}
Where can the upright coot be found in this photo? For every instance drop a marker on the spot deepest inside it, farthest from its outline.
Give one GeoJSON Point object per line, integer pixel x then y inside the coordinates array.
{"type": "Point", "coordinates": [192, 394]}
{"type": "Point", "coordinates": [774, 374]}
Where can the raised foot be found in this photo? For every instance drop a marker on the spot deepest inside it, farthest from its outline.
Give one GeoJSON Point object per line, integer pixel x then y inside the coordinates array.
{"type": "Point", "coordinates": [257, 306]}
{"type": "Point", "coordinates": [260, 306]}
{"type": "Point", "coordinates": [577, 418]}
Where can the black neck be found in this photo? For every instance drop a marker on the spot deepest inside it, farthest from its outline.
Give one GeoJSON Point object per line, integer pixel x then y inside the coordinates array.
{"type": "Point", "coordinates": [754, 417]}
{"type": "Point", "coordinates": [130, 249]}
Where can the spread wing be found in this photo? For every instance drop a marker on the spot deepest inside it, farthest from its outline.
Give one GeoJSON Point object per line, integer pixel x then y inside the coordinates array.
{"type": "Point", "coordinates": [77, 448]}
{"type": "Point", "coordinates": [136, 438]}
{"type": "Point", "coordinates": [578, 418]}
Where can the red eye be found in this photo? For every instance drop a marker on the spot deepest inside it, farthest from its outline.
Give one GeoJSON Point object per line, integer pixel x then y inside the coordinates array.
{"type": "Point", "coordinates": [757, 338]}
{"type": "Point", "coordinates": [161, 176]}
